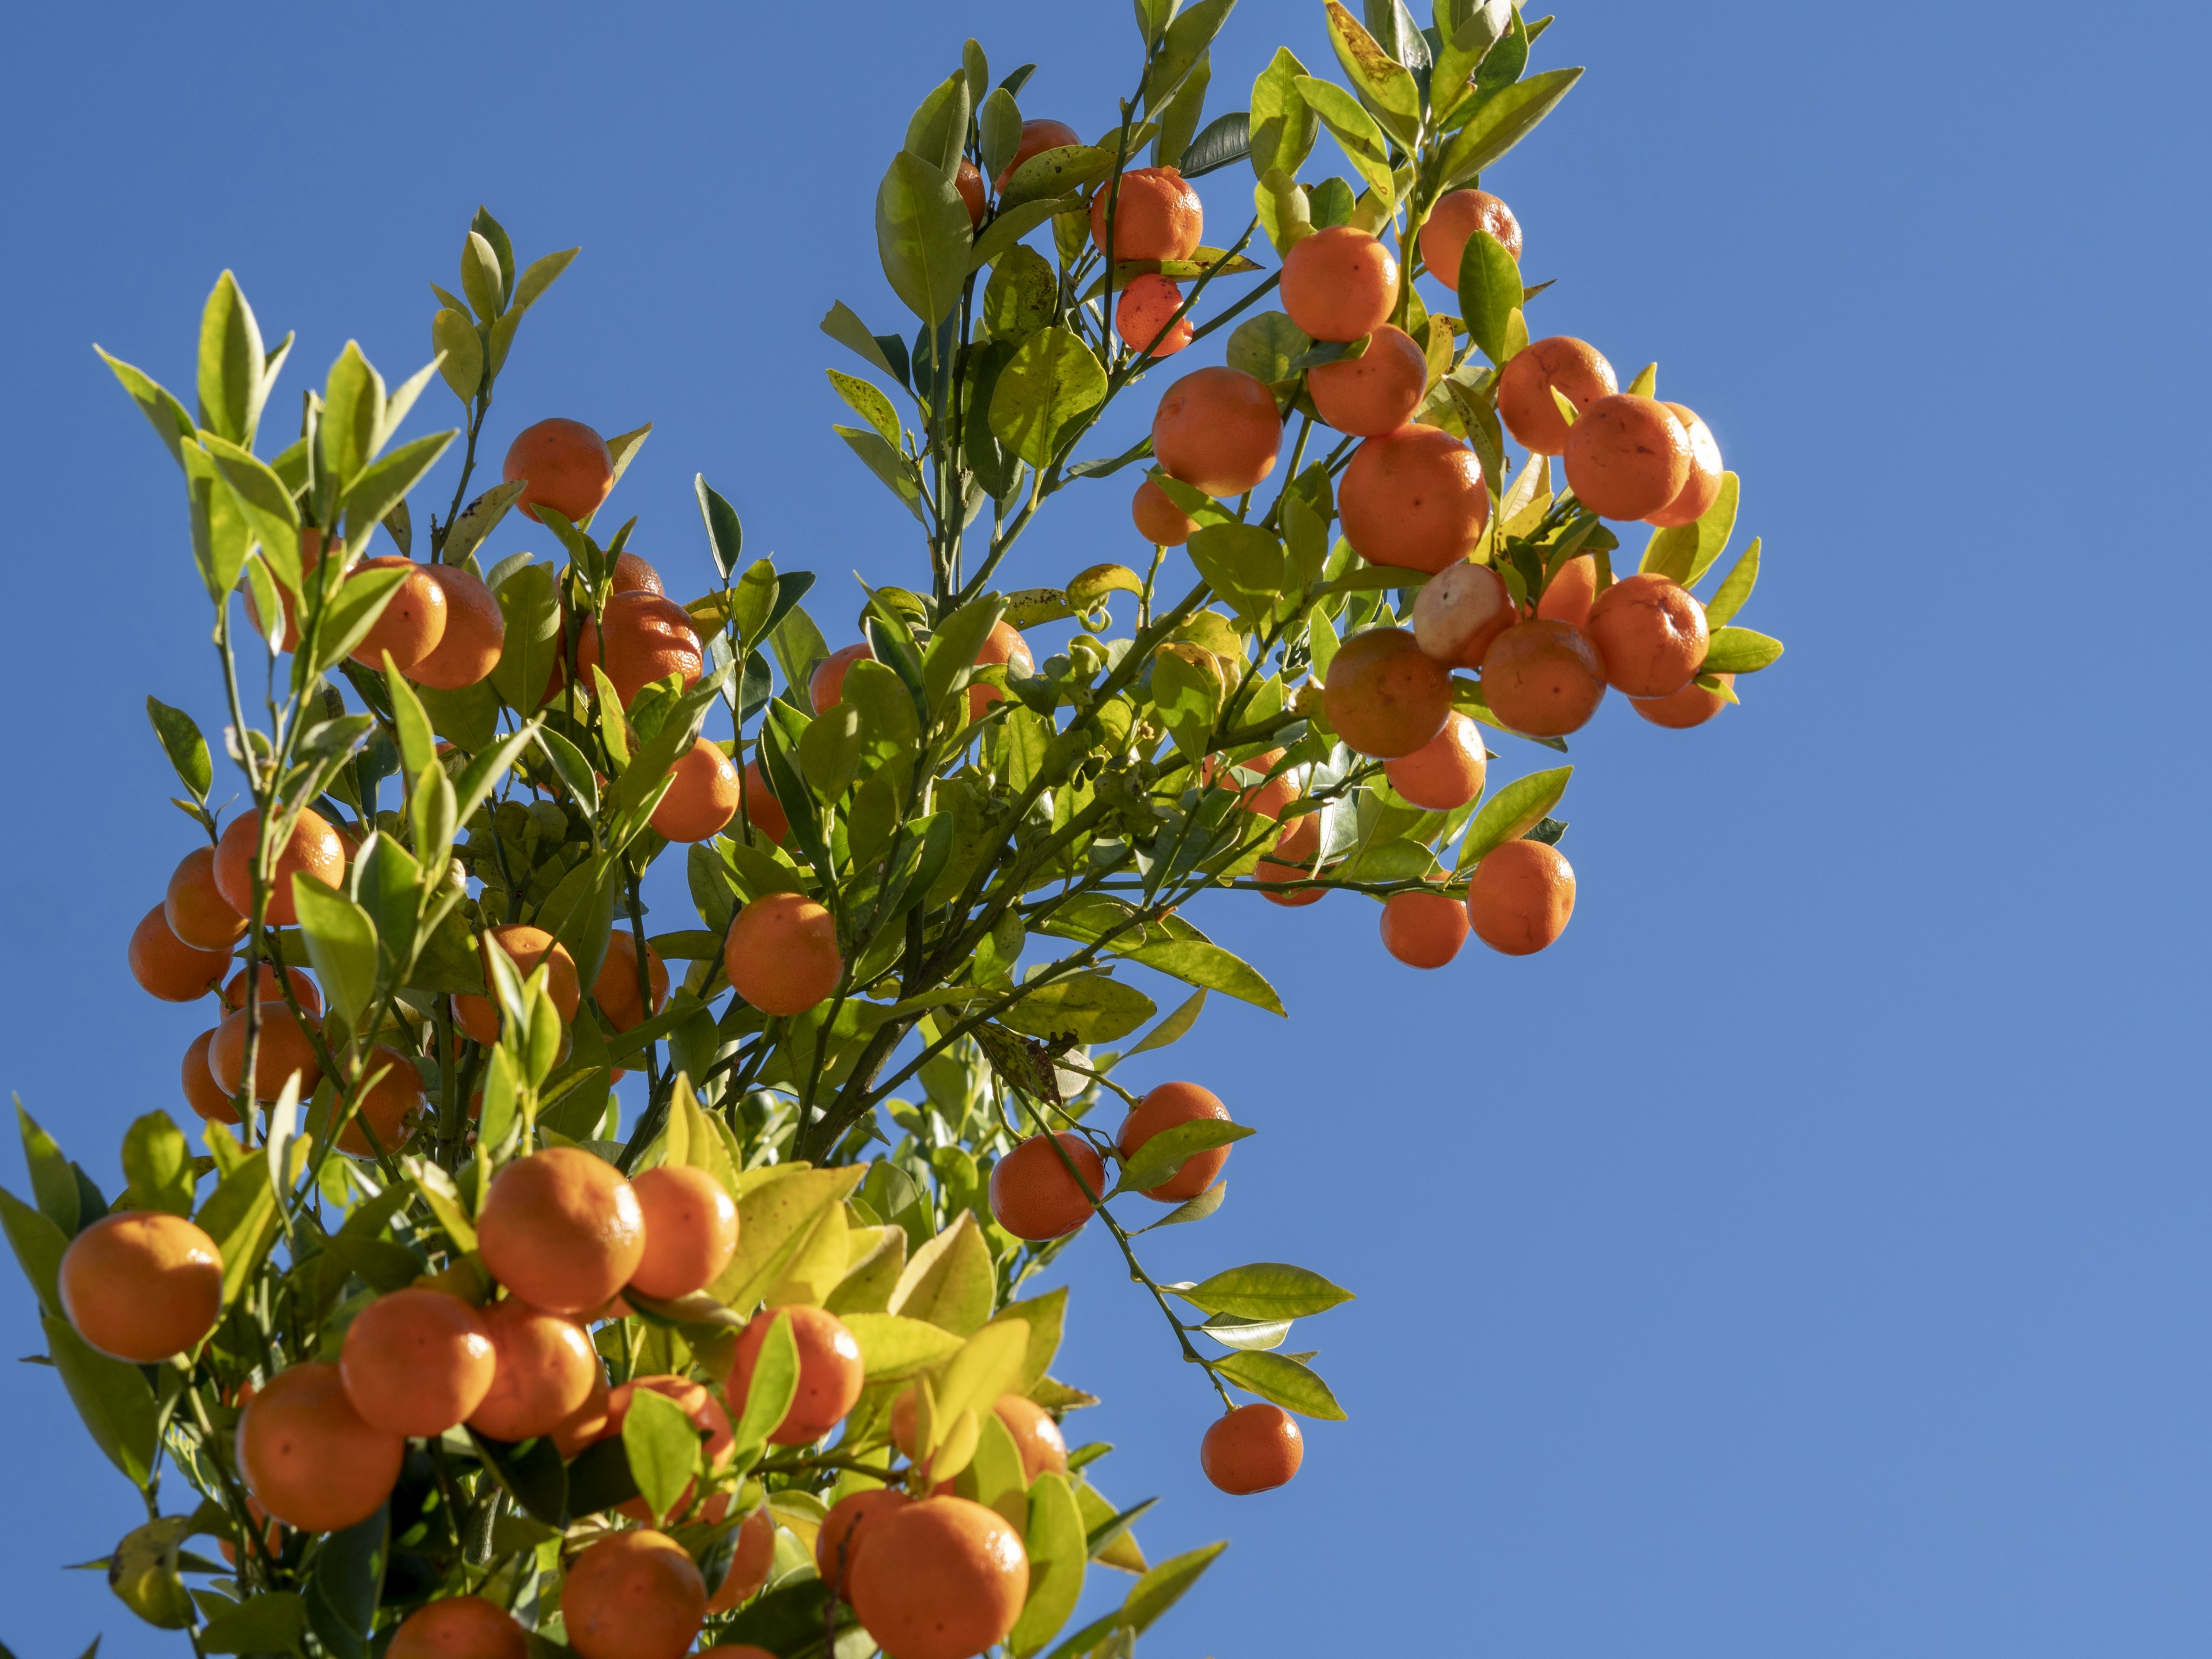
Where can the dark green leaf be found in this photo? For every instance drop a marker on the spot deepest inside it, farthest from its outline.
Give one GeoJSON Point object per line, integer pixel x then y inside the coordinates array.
{"type": "Point", "coordinates": [922, 235]}
{"type": "Point", "coordinates": [112, 1398]}
{"type": "Point", "coordinates": [270, 1622]}
{"type": "Point", "coordinates": [186, 749]}
{"type": "Point", "coordinates": [1489, 291]}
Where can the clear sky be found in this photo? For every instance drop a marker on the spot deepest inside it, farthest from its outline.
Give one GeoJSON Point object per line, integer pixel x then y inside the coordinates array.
{"type": "Point", "coordinates": [1807, 1255]}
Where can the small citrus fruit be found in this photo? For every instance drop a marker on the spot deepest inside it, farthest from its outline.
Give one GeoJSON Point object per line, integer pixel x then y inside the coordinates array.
{"type": "Point", "coordinates": [750, 1562]}
{"type": "Point", "coordinates": [201, 1092]}
{"type": "Point", "coordinates": [1456, 216]}
{"type": "Point", "coordinates": [1543, 677]}
{"type": "Point", "coordinates": [1158, 519]}
{"type": "Point", "coordinates": [1692, 706]}
{"type": "Point", "coordinates": [308, 1457]}
{"type": "Point", "coordinates": [167, 968]}
{"type": "Point", "coordinates": [702, 795]}
{"type": "Point", "coordinates": [1339, 284]}
{"type": "Point", "coordinates": [196, 910]}
{"type": "Point", "coordinates": [633, 1596]}
{"type": "Point", "coordinates": [1003, 647]}
{"type": "Point", "coordinates": [562, 1229]}
{"type": "Point", "coordinates": [1167, 1107]}
{"type": "Point", "coordinates": [1413, 498]}
{"type": "Point", "coordinates": [690, 1230]}
{"type": "Point", "coordinates": [1702, 487]}
{"type": "Point", "coordinates": [845, 1529]}
{"type": "Point", "coordinates": [417, 1362]}
{"type": "Point", "coordinates": [645, 638]}
{"type": "Point", "coordinates": [944, 1578]}
{"type": "Point", "coordinates": [543, 1369]}
{"type": "Point", "coordinates": [1217, 430]}
{"type": "Point", "coordinates": [825, 686]}
{"type": "Point", "coordinates": [459, 1627]}
{"type": "Point", "coordinates": [141, 1285]}
{"type": "Point", "coordinates": [1156, 215]}
{"type": "Point", "coordinates": [1424, 930]}
{"type": "Point", "coordinates": [567, 466]}
{"type": "Point", "coordinates": [1385, 697]}
{"type": "Point", "coordinates": [1145, 316]}
{"type": "Point", "coordinates": [705, 1414]}
{"type": "Point", "coordinates": [1521, 897]}
{"type": "Point", "coordinates": [1566, 597]}
{"type": "Point", "coordinates": [1255, 1448]}
{"type": "Point", "coordinates": [313, 848]}
{"type": "Point", "coordinates": [1034, 1195]}
{"type": "Point", "coordinates": [762, 809]}
{"type": "Point", "coordinates": [413, 621]}
{"type": "Point", "coordinates": [616, 990]}
{"type": "Point", "coordinates": [1524, 389]}
{"type": "Point", "coordinates": [1446, 772]}
{"type": "Point", "coordinates": [1651, 632]}
{"type": "Point", "coordinates": [1459, 611]}
{"type": "Point", "coordinates": [781, 953]}
{"type": "Point", "coordinates": [1375, 392]}
{"type": "Point", "coordinates": [475, 636]}
{"type": "Point", "coordinates": [267, 988]}
{"type": "Point", "coordinates": [1627, 456]}
{"type": "Point", "coordinates": [389, 1108]}
{"type": "Point", "coordinates": [831, 1371]}
{"type": "Point", "coordinates": [285, 1047]}
{"type": "Point", "coordinates": [1037, 137]}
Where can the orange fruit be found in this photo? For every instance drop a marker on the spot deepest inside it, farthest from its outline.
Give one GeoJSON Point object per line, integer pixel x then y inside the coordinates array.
{"type": "Point", "coordinates": [702, 795]}
{"type": "Point", "coordinates": [633, 1596]}
{"type": "Point", "coordinates": [1255, 1448]}
{"type": "Point", "coordinates": [830, 1372]}
{"type": "Point", "coordinates": [1217, 430]}
{"type": "Point", "coordinates": [561, 1229]}
{"type": "Point", "coordinates": [1702, 487]}
{"type": "Point", "coordinates": [1459, 611]}
{"type": "Point", "coordinates": [943, 1578]}
{"type": "Point", "coordinates": [285, 1047]}
{"type": "Point", "coordinates": [1520, 896]}
{"type": "Point", "coordinates": [781, 953]}
{"type": "Point", "coordinates": [1145, 316]}
{"type": "Point", "coordinates": [308, 1457]}
{"type": "Point", "coordinates": [1298, 843]}
{"type": "Point", "coordinates": [1270, 798]}
{"type": "Point", "coordinates": [1413, 498]}
{"type": "Point", "coordinates": [1034, 1195]}
{"type": "Point", "coordinates": [1457, 216]}
{"type": "Point", "coordinates": [647, 638]}
{"type": "Point", "coordinates": [1524, 389]}
{"type": "Point", "coordinates": [475, 633]}
{"type": "Point", "coordinates": [196, 912]}
{"type": "Point", "coordinates": [1003, 647]}
{"type": "Point", "coordinates": [1424, 930]}
{"type": "Point", "coordinates": [1543, 677]}
{"type": "Point", "coordinates": [706, 1415]}
{"type": "Point", "coordinates": [459, 1627]}
{"type": "Point", "coordinates": [850, 1519]}
{"type": "Point", "coordinates": [1158, 519]}
{"type": "Point", "coordinates": [1275, 871]}
{"type": "Point", "coordinates": [1037, 1434]}
{"type": "Point", "coordinates": [413, 621]}
{"type": "Point", "coordinates": [616, 990]}
{"type": "Point", "coordinates": [1338, 284]}
{"type": "Point", "coordinates": [390, 1106]}
{"type": "Point", "coordinates": [1692, 706]}
{"type": "Point", "coordinates": [1037, 137]}
{"type": "Point", "coordinates": [568, 467]}
{"type": "Point", "coordinates": [1650, 631]}
{"type": "Point", "coordinates": [526, 947]}
{"type": "Point", "coordinates": [201, 1092]}
{"type": "Point", "coordinates": [690, 1230]}
{"type": "Point", "coordinates": [634, 574]}
{"type": "Point", "coordinates": [141, 1285]}
{"type": "Point", "coordinates": [313, 848]}
{"type": "Point", "coordinates": [1385, 697]}
{"type": "Point", "coordinates": [588, 1424]}
{"type": "Point", "coordinates": [1375, 392]}
{"type": "Point", "coordinates": [1156, 215]}
{"type": "Point", "coordinates": [762, 809]}
{"type": "Point", "coordinates": [1627, 456]}
{"type": "Point", "coordinates": [1165, 1108]}
{"type": "Point", "coordinates": [166, 967]}
{"type": "Point", "coordinates": [750, 1563]}
{"type": "Point", "coordinates": [968, 181]}
{"type": "Point", "coordinates": [267, 988]}
{"type": "Point", "coordinates": [825, 687]}
{"type": "Point", "coordinates": [1566, 597]}
{"type": "Point", "coordinates": [541, 1372]}
{"type": "Point", "coordinates": [1446, 772]}
{"type": "Point", "coordinates": [417, 1362]}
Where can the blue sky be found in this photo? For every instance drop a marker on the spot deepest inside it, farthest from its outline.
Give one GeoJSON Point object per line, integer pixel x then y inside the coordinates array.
{"type": "Point", "coordinates": [1806, 1255]}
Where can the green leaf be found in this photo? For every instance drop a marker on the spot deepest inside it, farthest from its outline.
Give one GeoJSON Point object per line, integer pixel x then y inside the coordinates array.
{"type": "Point", "coordinates": [885, 460]}
{"type": "Point", "coordinates": [1059, 1557]}
{"type": "Point", "coordinates": [1174, 1028]}
{"type": "Point", "coordinates": [940, 127]}
{"type": "Point", "coordinates": [112, 1398]}
{"type": "Point", "coordinates": [1384, 85]}
{"type": "Point", "coordinates": [1489, 291]}
{"type": "Point", "coordinates": [581, 911]}
{"type": "Point", "coordinates": [341, 945]}
{"type": "Point", "coordinates": [348, 1581]}
{"type": "Point", "coordinates": [142, 1572]}
{"type": "Point", "coordinates": [1464, 52]}
{"type": "Point", "coordinates": [1044, 393]}
{"type": "Point", "coordinates": [269, 1621]}
{"type": "Point", "coordinates": [1242, 563]}
{"type": "Point", "coordinates": [949, 662]}
{"type": "Point", "coordinates": [1091, 1006]}
{"type": "Point", "coordinates": [460, 349]}
{"type": "Point", "coordinates": [1506, 815]}
{"type": "Point", "coordinates": [1264, 346]}
{"type": "Point", "coordinates": [532, 613]}
{"type": "Point", "coordinates": [893, 1346]}
{"type": "Point", "coordinates": [843, 326]}
{"type": "Point", "coordinates": [1006, 232]}
{"type": "Point", "coordinates": [869, 404]}
{"type": "Point", "coordinates": [773, 1386]}
{"type": "Point", "coordinates": [1686, 552]}
{"type": "Point", "coordinates": [53, 1181]}
{"type": "Point", "coordinates": [1502, 123]}
{"type": "Point", "coordinates": [662, 1446]}
{"type": "Point", "coordinates": [1266, 1289]}
{"type": "Point", "coordinates": [352, 611]}
{"type": "Point", "coordinates": [1735, 589]}
{"type": "Point", "coordinates": [1201, 962]}
{"type": "Point", "coordinates": [1283, 1380]}
{"type": "Point", "coordinates": [1055, 174]}
{"type": "Point", "coordinates": [478, 519]}
{"type": "Point", "coordinates": [173, 424]}
{"type": "Point", "coordinates": [1282, 125]}
{"type": "Point", "coordinates": [776, 1220]}
{"type": "Point", "coordinates": [1739, 651]}
{"type": "Point", "coordinates": [949, 1281]}
{"type": "Point", "coordinates": [386, 484]}
{"type": "Point", "coordinates": [158, 1165]}
{"type": "Point", "coordinates": [241, 1217]}
{"type": "Point", "coordinates": [541, 275]}
{"type": "Point", "coordinates": [922, 235]}
{"type": "Point", "coordinates": [232, 368]}
{"type": "Point", "coordinates": [1020, 298]}
{"type": "Point", "coordinates": [38, 1245]}
{"type": "Point", "coordinates": [999, 128]}
{"type": "Point", "coordinates": [1164, 1585]}
{"type": "Point", "coordinates": [1046, 1317]}
{"type": "Point", "coordinates": [186, 749]}
{"type": "Point", "coordinates": [353, 410]}
{"type": "Point", "coordinates": [1355, 132]}
{"type": "Point", "coordinates": [1161, 1157]}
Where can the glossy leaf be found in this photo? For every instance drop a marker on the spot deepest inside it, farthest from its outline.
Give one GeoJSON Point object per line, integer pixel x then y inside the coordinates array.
{"type": "Point", "coordinates": [231, 369]}
{"type": "Point", "coordinates": [661, 1445]}
{"type": "Point", "coordinates": [922, 235]}
{"type": "Point", "coordinates": [1091, 1006]}
{"type": "Point", "coordinates": [1511, 813]}
{"type": "Point", "coordinates": [1384, 86]}
{"type": "Point", "coordinates": [1504, 122]}
{"type": "Point", "coordinates": [1735, 589]}
{"type": "Point", "coordinates": [1266, 1289]}
{"type": "Point", "coordinates": [1489, 281]}
{"type": "Point", "coordinates": [1355, 132]}
{"type": "Point", "coordinates": [181, 742]}
{"type": "Point", "coordinates": [271, 1621]}
{"type": "Point", "coordinates": [1739, 651]}
{"type": "Point", "coordinates": [951, 1281]}
{"type": "Point", "coordinates": [773, 1386]}
{"type": "Point", "coordinates": [1284, 1381]}
{"type": "Point", "coordinates": [1161, 1157]}
{"type": "Point", "coordinates": [1059, 1558]}
{"type": "Point", "coordinates": [1282, 125]}
{"type": "Point", "coordinates": [1687, 552]}
{"type": "Point", "coordinates": [341, 945]}
{"type": "Point", "coordinates": [1043, 394]}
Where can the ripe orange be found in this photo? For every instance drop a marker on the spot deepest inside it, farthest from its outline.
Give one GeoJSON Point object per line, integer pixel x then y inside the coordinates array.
{"type": "Point", "coordinates": [634, 574]}
{"type": "Point", "coordinates": [267, 988]}
{"type": "Point", "coordinates": [308, 1457]}
{"type": "Point", "coordinates": [1033, 1195]}
{"type": "Point", "coordinates": [1375, 392]}
{"type": "Point", "coordinates": [1627, 456]}
{"type": "Point", "coordinates": [1217, 430]}
{"type": "Point", "coordinates": [616, 989]}
{"type": "Point", "coordinates": [1036, 1433]}
{"type": "Point", "coordinates": [541, 1372]}
{"type": "Point", "coordinates": [526, 947]}
{"type": "Point", "coordinates": [749, 1566]}
{"type": "Point", "coordinates": [413, 621]}
{"type": "Point", "coordinates": [781, 953]}
{"type": "Point", "coordinates": [1524, 389]}
{"type": "Point", "coordinates": [762, 809]}
{"type": "Point", "coordinates": [1165, 1108]}
{"type": "Point", "coordinates": [830, 1372]}
{"type": "Point", "coordinates": [846, 1529]}
{"type": "Point", "coordinates": [1446, 772]}
{"type": "Point", "coordinates": [197, 914]}
{"type": "Point", "coordinates": [1520, 896]}
{"type": "Point", "coordinates": [588, 1424]}
{"type": "Point", "coordinates": [1003, 647]}
{"type": "Point", "coordinates": [390, 1106]}
{"type": "Point", "coordinates": [706, 1415]}
{"type": "Point", "coordinates": [1459, 611]}
{"type": "Point", "coordinates": [201, 1093]}
{"type": "Point", "coordinates": [1145, 316]}
{"type": "Point", "coordinates": [702, 795]}
{"type": "Point", "coordinates": [940, 1579]}
{"type": "Point", "coordinates": [1275, 871]}
{"type": "Point", "coordinates": [1457, 216]}
{"type": "Point", "coordinates": [1650, 631]}
{"type": "Point", "coordinates": [647, 638]}
{"type": "Point", "coordinates": [166, 967]}
{"type": "Point", "coordinates": [568, 467]}
{"type": "Point", "coordinates": [1424, 930]}
{"type": "Point", "coordinates": [1566, 597]}
{"type": "Point", "coordinates": [285, 1047]}
{"type": "Point", "coordinates": [459, 1627]}
{"type": "Point", "coordinates": [1037, 137]}
{"type": "Point", "coordinates": [1703, 488]}
{"type": "Point", "coordinates": [634, 1596]}
{"type": "Point", "coordinates": [968, 181]}
{"type": "Point", "coordinates": [141, 1285]}
{"type": "Point", "coordinates": [475, 633]}
{"type": "Point", "coordinates": [825, 686]}
{"type": "Point", "coordinates": [1692, 706]}
{"type": "Point", "coordinates": [313, 848]}
{"type": "Point", "coordinates": [1158, 519]}
{"type": "Point", "coordinates": [1269, 799]}
{"type": "Point", "coordinates": [690, 1230]}
{"type": "Point", "coordinates": [417, 1362]}
{"type": "Point", "coordinates": [1300, 843]}
{"type": "Point", "coordinates": [1413, 498]}
{"type": "Point", "coordinates": [1338, 284]}
{"type": "Point", "coordinates": [1385, 697]}
{"type": "Point", "coordinates": [562, 1229]}
{"type": "Point", "coordinates": [1255, 1448]}
{"type": "Point", "coordinates": [1156, 215]}
{"type": "Point", "coordinates": [1543, 677]}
